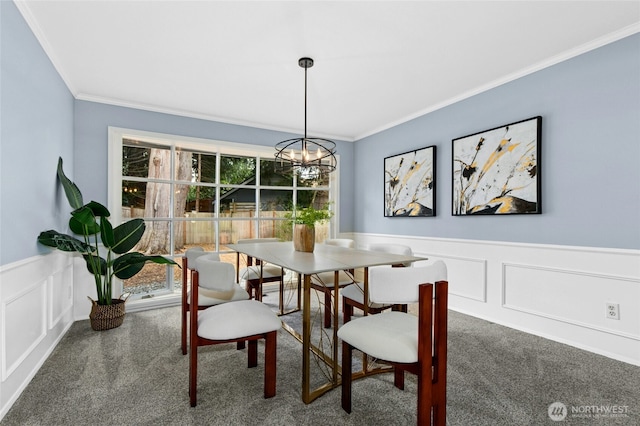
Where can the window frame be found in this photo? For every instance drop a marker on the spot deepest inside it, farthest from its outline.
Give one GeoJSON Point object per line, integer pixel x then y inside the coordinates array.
{"type": "Point", "coordinates": [116, 135]}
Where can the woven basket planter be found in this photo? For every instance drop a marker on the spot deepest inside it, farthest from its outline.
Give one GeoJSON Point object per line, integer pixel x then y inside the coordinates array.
{"type": "Point", "coordinates": [106, 317]}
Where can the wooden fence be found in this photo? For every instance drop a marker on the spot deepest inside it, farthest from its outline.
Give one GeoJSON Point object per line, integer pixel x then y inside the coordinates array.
{"type": "Point", "coordinates": [232, 226]}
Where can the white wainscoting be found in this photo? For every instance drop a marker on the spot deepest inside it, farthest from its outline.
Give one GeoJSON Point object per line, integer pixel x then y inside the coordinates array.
{"type": "Point", "coordinates": [36, 309]}
{"type": "Point", "coordinates": [556, 292]}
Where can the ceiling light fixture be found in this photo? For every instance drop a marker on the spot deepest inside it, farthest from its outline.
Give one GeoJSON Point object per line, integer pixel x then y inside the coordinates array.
{"type": "Point", "coordinates": [309, 158]}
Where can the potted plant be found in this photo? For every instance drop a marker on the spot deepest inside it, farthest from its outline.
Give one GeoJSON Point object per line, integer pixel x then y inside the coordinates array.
{"type": "Point", "coordinates": [304, 228]}
{"type": "Point", "coordinates": [113, 259]}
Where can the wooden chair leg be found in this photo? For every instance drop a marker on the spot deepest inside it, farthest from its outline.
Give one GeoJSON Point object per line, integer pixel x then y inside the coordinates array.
{"type": "Point", "coordinates": [252, 353]}
{"type": "Point", "coordinates": [271, 340]}
{"type": "Point", "coordinates": [327, 309]}
{"type": "Point", "coordinates": [398, 378]}
{"type": "Point", "coordinates": [281, 296]}
{"type": "Point", "coordinates": [183, 344]}
{"type": "Point", "coordinates": [193, 373]}
{"type": "Point", "coordinates": [425, 400]}
{"type": "Point", "coordinates": [439, 385]}
{"type": "Point", "coordinates": [346, 377]}
{"type": "Point", "coordinates": [347, 311]}
{"type": "Point", "coordinates": [259, 292]}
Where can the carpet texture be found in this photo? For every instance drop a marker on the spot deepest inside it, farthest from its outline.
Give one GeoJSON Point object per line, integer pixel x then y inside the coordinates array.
{"type": "Point", "coordinates": [136, 375]}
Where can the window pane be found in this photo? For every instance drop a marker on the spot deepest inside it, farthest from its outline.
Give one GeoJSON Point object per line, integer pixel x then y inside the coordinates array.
{"type": "Point", "coordinates": [283, 229]}
{"type": "Point", "coordinates": [135, 159]}
{"type": "Point", "coordinates": [156, 238]}
{"type": "Point", "coordinates": [241, 202]}
{"type": "Point", "coordinates": [268, 177]}
{"type": "Point", "coordinates": [314, 183]}
{"type": "Point", "coordinates": [146, 160]}
{"type": "Point", "coordinates": [318, 199]}
{"type": "Point", "coordinates": [197, 232]}
{"type": "Point", "coordinates": [152, 278]}
{"type": "Point", "coordinates": [270, 228]}
{"type": "Point", "coordinates": [231, 231]}
{"type": "Point", "coordinates": [275, 201]}
{"type": "Point", "coordinates": [201, 166]}
{"type": "Point", "coordinates": [238, 170]}
{"type": "Point", "coordinates": [199, 199]}
{"type": "Point", "coordinates": [133, 195]}
{"type": "Point", "coordinates": [154, 199]}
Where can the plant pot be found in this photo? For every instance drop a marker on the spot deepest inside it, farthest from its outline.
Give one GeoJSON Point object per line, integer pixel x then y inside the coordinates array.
{"type": "Point", "coordinates": [106, 317]}
{"type": "Point", "coordinates": [304, 238]}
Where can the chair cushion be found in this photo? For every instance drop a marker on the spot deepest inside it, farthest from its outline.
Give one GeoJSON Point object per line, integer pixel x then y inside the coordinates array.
{"type": "Point", "coordinates": [326, 279]}
{"type": "Point", "coordinates": [400, 285]}
{"type": "Point", "coordinates": [215, 275]}
{"type": "Point", "coordinates": [253, 272]}
{"type": "Point", "coordinates": [210, 298]}
{"type": "Point", "coordinates": [390, 336]}
{"type": "Point", "coordinates": [238, 319]}
{"type": "Point", "coordinates": [356, 292]}
{"type": "Point", "coordinates": [196, 252]}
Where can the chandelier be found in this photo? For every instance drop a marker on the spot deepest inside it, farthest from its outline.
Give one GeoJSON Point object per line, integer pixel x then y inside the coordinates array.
{"type": "Point", "coordinates": [309, 158]}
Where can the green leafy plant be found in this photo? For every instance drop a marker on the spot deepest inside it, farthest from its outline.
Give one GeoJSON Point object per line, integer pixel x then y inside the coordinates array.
{"type": "Point", "coordinates": [90, 221]}
{"type": "Point", "coordinates": [309, 215]}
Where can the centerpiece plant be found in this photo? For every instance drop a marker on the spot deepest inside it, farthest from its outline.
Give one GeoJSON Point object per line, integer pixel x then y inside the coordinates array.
{"type": "Point", "coordinates": [105, 249]}
{"type": "Point", "coordinates": [304, 220]}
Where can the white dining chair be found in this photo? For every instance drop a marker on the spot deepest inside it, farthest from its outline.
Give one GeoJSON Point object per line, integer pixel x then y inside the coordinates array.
{"type": "Point", "coordinates": [417, 344]}
{"type": "Point", "coordinates": [353, 295]}
{"type": "Point", "coordinates": [207, 298]}
{"type": "Point", "coordinates": [240, 321]}
{"type": "Point", "coordinates": [250, 273]}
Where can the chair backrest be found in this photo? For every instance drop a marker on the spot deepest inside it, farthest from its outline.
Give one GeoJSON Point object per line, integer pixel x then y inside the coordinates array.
{"type": "Point", "coordinates": [400, 285]}
{"type": "Point", "coordinates": [258, 240]}
{"type": "Point", "coordinates": [393, 249]}
{"type": "Point", "coordinates": [194, 253]}
{"type": "Point", "coordinates": [215, 275]}
{"type": "Point", "coordinates": [340, 242]}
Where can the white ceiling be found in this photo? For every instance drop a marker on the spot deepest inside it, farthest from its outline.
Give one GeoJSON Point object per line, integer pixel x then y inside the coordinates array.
{"type": "Point", "coordinates": [377, 63]}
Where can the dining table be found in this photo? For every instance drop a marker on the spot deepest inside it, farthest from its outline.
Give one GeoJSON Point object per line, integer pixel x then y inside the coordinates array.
{"type": "Point", "coordinates": [324, 258]}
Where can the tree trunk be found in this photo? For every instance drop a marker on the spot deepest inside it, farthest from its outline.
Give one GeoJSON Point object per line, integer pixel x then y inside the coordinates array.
{"type": "Point", "coordinates": [156, 239]}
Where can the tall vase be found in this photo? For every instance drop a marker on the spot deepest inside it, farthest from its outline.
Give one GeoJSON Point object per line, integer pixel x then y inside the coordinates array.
{"type": "Point", "coordinates": [304, 238]}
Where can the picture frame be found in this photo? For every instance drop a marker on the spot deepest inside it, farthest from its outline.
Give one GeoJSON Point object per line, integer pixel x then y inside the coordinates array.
{"type": "Point", "coordinates": [497, 171]}
{"type": "Point", "coordinates": [410, 183]}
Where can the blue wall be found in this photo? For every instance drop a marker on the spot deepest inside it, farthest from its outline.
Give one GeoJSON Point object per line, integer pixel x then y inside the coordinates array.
{"type": "Point", "coordinates": [36, 116]}
{"type": "Point", "coordinates": [590, 165]}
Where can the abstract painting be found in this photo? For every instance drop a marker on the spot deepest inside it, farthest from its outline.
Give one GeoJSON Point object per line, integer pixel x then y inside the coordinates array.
{"type": "Point", "coordinates": [497, 171]}
{"type": "Point", "coordinates": [409, 184]}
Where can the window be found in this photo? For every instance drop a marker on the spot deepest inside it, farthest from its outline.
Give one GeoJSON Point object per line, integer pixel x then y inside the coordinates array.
{"type": "Point", "coordinates": [194, 192]}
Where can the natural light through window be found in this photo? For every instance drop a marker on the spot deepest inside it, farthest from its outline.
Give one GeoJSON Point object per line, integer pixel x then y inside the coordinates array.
{"type": "Point", "coordinates": [196, 192]}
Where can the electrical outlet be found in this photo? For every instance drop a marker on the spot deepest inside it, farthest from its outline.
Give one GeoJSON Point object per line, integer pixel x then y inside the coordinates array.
{"type": "Point", "coordinates": [613, 310]}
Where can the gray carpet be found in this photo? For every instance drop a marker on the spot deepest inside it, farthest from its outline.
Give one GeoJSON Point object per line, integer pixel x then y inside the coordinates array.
{"type": "Point", "coordinates": [136, 375]}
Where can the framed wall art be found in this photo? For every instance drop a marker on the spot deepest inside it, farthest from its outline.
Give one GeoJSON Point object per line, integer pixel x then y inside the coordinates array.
{"type": "Point", "coordinates": [409, 184]}
{"type": "Point", "coordinates": [497, 172]}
